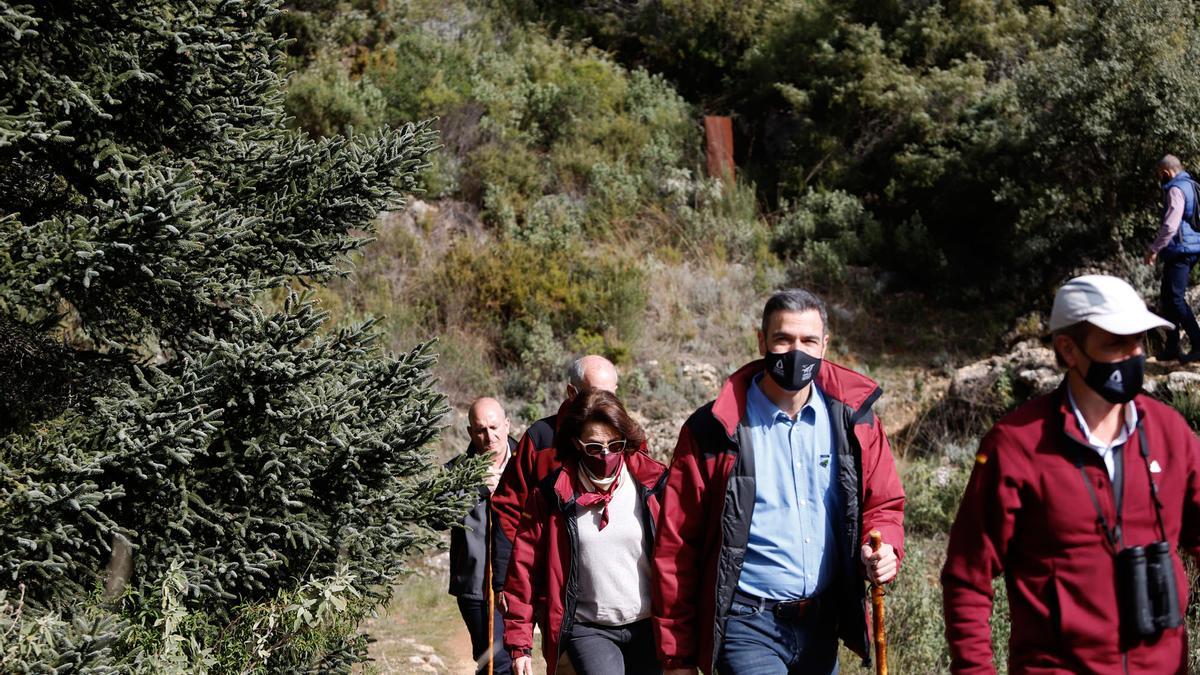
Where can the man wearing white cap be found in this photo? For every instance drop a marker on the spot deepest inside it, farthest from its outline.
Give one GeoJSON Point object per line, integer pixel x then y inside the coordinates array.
{"type": "Point", "coordinates": [1081, 499]}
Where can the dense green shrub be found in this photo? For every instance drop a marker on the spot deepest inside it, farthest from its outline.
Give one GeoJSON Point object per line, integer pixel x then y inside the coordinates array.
{"type": "Point", "coordinates": [934, 487]}
{"type": "Point", "coordinates": [698, 44]}
{"type": "Point", "coordinates": [324, 101]}
{"type": "Point", "coordinates": [826, 230]}
{"type": "Point", "coordinates": [567, 291]}
{"type": "Point", "coordinates": [252, 478]}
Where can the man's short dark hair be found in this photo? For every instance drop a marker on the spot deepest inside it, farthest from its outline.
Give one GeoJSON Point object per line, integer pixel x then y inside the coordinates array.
{"type": "Point", "coordinates": [1078, 332]}
{"type": "Point", "coordinates": [794, 300]}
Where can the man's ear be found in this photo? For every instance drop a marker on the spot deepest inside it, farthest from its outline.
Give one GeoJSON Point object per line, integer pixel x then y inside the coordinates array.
{"type": "Point", "coordinates": [1067, 349]}
{"type": "Point", "coordinates": [572, 392]}
{"type": "Point", "coordinates": [762, 343]}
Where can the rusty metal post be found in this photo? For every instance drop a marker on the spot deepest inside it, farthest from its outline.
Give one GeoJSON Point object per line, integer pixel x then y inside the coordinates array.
{"type": "Point", "coordinates": [718, 135]}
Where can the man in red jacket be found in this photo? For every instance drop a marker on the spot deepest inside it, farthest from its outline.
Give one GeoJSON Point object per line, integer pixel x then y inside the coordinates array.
{"type": "Point", "coordinates": [761, 553]}
{"type": "Point", "coordinates": [1064, 490]}
{"type": "Point", "coordinates": [535, 459]}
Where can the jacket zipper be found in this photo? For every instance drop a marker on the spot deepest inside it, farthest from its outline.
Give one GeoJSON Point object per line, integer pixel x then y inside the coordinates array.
{"type": "Point", "coordinates": [569, 590]}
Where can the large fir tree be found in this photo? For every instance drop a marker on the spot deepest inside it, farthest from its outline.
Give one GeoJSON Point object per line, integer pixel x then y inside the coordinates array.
{"type": "Point", "coordinates": [252, 481]}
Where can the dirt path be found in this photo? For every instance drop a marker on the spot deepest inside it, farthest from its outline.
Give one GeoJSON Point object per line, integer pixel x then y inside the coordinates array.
{"type": "Point", "coordinates": [421, 630]}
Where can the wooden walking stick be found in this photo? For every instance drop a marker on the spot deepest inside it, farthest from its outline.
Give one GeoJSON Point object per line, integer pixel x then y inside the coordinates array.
{"type": "Point", "coordinates": [877, 607]}
{"type": "Point", "coordinates": [491, 594]}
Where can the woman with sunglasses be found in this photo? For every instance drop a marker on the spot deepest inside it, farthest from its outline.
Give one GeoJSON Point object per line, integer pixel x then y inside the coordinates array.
{"type": "Point", "coordinates": [581, 558]}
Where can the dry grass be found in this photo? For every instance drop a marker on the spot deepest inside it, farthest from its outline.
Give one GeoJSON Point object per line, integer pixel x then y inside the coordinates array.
{"type": "Point", "coordinates": [422, 613]}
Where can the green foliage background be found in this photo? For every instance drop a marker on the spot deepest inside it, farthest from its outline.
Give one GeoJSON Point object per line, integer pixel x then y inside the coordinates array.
{"type": "Point", "coordinates": [973, 152]}
{"type": "Point", "coordinates": [997, 143]}
{"type": "Point", "coordinates": [185, 194]}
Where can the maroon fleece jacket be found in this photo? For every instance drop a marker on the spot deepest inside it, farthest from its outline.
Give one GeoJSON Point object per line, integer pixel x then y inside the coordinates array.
{"type": "Point", "coordinates": [1027, 515]}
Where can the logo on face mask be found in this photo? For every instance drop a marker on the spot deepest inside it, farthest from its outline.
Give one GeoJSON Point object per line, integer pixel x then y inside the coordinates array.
{"type": "Point", "coordinates": [1117, 382]}
{"type": "Point", "coordinates": [793, 370]}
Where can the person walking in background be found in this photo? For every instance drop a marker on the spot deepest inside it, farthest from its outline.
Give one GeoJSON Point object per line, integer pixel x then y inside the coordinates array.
{"type": "Point", "coordinates": [584, 545]}
{"type": "Point", "coordinates": [762, 549]}
{"type": "Point", "coordinates": [1178, 246]}
{"type": "Point", "coordinates": [1079, 498]}
{"type": "Point", "coordinates": [487, 425]}
{"type": "Point", "coordinates": [535, 458]}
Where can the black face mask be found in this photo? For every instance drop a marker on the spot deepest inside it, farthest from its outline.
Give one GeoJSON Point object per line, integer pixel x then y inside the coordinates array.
{"type": "Point", "coordinates": [792, 370]}
{"type": "Point", "coordinates": [1117, 382]}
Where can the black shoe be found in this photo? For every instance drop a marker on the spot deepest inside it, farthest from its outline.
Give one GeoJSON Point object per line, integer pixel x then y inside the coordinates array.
{"type": "Point", "coordinates": [1170, 355]}
{"type": "Point", "coordinates": [1190, 357]}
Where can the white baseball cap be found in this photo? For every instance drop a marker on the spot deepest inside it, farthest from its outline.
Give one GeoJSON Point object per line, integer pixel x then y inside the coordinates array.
{"type": "Point", "coordinates": [1106, 302]}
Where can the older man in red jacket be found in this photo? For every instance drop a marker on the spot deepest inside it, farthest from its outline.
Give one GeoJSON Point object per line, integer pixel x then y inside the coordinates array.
{"type": "Point", "coordinates": [1063, 491]}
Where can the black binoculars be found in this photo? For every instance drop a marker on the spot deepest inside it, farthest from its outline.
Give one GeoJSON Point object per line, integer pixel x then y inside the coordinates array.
{"type": "Point", "coordinates": [1149, 597]}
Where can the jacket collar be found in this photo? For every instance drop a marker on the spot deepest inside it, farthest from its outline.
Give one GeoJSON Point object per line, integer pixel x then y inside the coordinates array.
{"type": "Point", "coordinates": [1180, 178]}
{"type": "Point", "coordinates": [837, 383]}
{"type": "Point", "coordinates": [1070, 423]}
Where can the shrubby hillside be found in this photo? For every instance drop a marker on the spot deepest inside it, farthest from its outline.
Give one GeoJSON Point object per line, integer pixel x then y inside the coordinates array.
{"type": "Point", "coordinates": [933, 168]}
{"type": "Point", "coordinates": [566, 212]}
{"type": "Point", "coordinates": [977, 150]}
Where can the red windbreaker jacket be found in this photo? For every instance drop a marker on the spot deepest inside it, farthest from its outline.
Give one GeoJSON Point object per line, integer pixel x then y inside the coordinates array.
{"type": "Point", "coordinates": [709, 500]}
{"type": "Point", "coordinates": [545, 546]}
{"type": "Point", "coordinates": [534, 459]}
{"type": "Point", "coordinates": [1028, 515]}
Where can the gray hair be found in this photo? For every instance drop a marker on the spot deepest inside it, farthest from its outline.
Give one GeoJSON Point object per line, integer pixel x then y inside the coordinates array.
{"type": "Point", "coordinates": [575, 373]}
{"type": "Point", "coordinates": [1170, 163]}
{"type": "Point", "coordinates": [794, 300]}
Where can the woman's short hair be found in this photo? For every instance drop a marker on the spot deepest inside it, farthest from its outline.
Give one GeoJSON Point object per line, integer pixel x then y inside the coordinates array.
{"type": "Point", "coordinates": [595, 406]}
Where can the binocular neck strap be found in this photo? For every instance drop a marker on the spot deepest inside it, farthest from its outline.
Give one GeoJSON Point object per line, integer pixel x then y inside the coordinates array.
{"type": "Point", "coordinates": [1113, 532]}
{"type": "Point", "coordinates": [1145, 450]}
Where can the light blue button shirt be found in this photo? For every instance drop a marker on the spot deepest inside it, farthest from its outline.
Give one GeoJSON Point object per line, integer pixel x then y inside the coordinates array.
{"type": "Point", "coordinates": [795, 501]}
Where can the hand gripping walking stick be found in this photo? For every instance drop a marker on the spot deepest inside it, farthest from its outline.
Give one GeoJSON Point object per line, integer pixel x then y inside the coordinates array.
{"type": "Point", "coordinates": [877, 607]}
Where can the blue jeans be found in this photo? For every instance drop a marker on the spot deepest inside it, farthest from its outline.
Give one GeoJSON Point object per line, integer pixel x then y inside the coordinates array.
{"type": "Point", "coordinates": [1177, 272]}
{"type": "Point", "coordinates": [757, 643]}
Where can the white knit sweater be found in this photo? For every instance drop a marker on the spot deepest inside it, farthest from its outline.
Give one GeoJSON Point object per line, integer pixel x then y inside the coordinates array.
{"type": "Point", "coordinates": [613, 564]}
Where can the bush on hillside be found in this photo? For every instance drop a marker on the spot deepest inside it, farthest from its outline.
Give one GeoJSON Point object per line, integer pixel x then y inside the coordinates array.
{"type": "Point", "coordinates": [525, 118]}
{"type": "Point", "coordinates": [324, 101]}
{"type": "Point", "coordinates": [576, 296]}
{"type": "Point", "coordinates": [825, 231]}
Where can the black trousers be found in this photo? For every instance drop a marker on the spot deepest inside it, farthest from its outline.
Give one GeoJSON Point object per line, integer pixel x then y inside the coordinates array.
{"type": "Point", "coordinates": [474, 614]}
{"type": "Point", "coordinates": [613, 650]}
{"type": "Point", "coordinates": [1177, 272]}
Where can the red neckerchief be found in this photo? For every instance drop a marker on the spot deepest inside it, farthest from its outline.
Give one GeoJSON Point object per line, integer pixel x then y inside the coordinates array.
{"type": "Point", "coordinates": [589, 499]}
